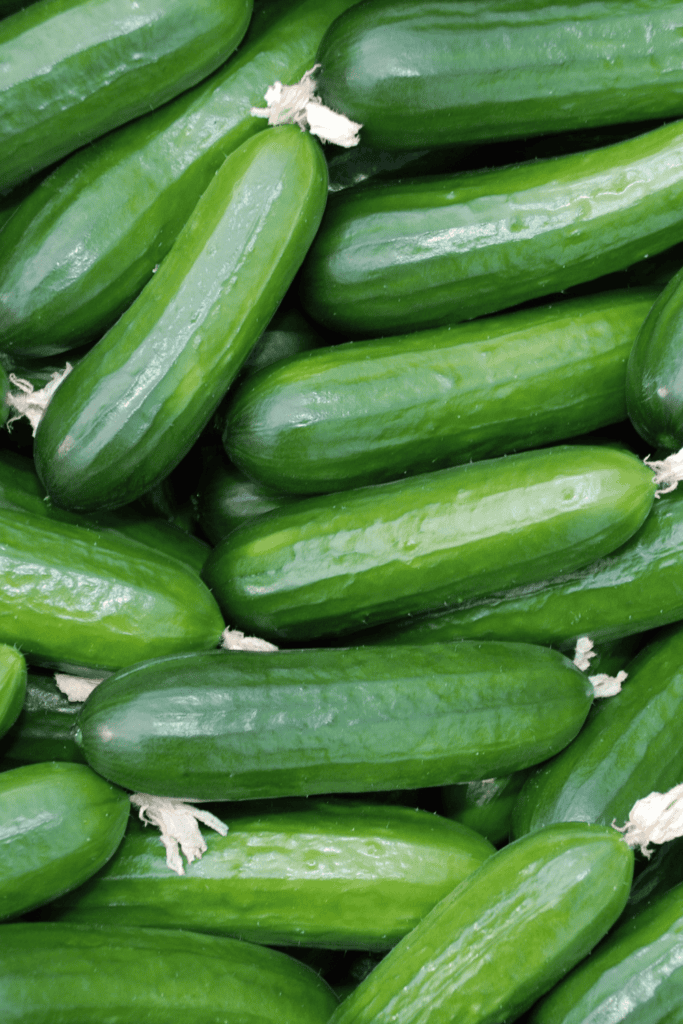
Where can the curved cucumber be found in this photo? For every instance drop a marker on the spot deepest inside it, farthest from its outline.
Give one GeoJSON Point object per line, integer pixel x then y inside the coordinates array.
{"type": "Point", "coordinates": [333, 875]}
{"type": "Point", "coordinates": [235, 726]}
{"type": "Point", "coordinates": [334, 563]}
{"type": "Point", "coordinates": [45, 727]}
{"type": "Point", "coordinates": [59, 823]}
{"type": "Point", "coordinates": [437, 250]}
{"type": "Point", "coordinates": [505, 936]}
{"type": "Point", "coordinates": [73, 597]}
{"type": "Point", "coordinates": [437, 73]}
{"type": "Point", "coordinates": [12, 686]}
{"type": "Point", "coordinates": [74, 69]}
{"type": "Point", "coordinates": [137, 402]}
{"type": "Point", "coordinates": [70, 974]}
{"type": "Point", "coordinates": [371, 411]}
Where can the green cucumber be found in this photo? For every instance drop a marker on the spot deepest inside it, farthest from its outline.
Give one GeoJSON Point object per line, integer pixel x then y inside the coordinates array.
{"type": "Point", "coordinates": [59, 823]}
{"type": "Point", "coordinates": [629, 747]}
{"type": "Point", "coordinates": [634, 976]}
{"type": "Point", "coordinates": [76, 598]}
{"type": "Point", "coordinates": [74, 974]}
{"type": "Point", "coordinates": [229, 725]}
{"type": "Point", "coordinates": [485, 805]}
{"type": "Point", "coordinates": [137, 402]}
{"type": "Point", "coordinates": [654, 877]}
{"type": "Point", "coordinates": [334, 563]}
{"type": "Point", "coordinates": [288, 334]}
{"type": "Point", "coordinates": [71, 70]}
{"type": "Point", "coordinates": [83, 246]}
{"type": "Point", "coordinates": [438, 73]}
{"type": "Point", "coordinates": [369, 411]}
{"type": "Point", "coordinates": [45, 727]}
{"type": "Point", "coordinates": [430, 252]}
{"type": "Point", "coordinates": [12, 686]}
{"type": "Point", "coordinates": [320, 874]}
{"type": "Point", "coordinates": [504, 936]}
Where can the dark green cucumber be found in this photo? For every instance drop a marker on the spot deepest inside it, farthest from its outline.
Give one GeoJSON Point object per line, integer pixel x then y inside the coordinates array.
{"type": "Point", "coordinates": [629, 747]}
{"type": "Point", "coordinates": [45, 727]}
{"type": "Point", "coordinates": [75, 597]}
{"type": "Point", "coordinates": [370, 411]}
{"type": "Point", "coordinates": [334, 563]}
{"type": "Point", "coordinates": [434, 251]}
{"type": "Point", "coordinates": [236, 726]}
{"type": "Point", "coordinates": [634, 589]}
{"type": "Point", "coordinates": [12, 686]}
{"type": "Point", "coordinates": [59, 823]}
{"type": "Point", "coordinates": [654, 877]}
{"type": "Point", "coordinates": [83, 246]}
{"type": "Point", "coordinates": [438, 73]}
{"type": "Point", "coordinates": [334, 875]}
{"type": "Point", "coordinates": [289, 333]}
{"type": "Point", "coordinates": [505, 936]}
{"type": "Point", "coordinates": [634, 976]}
{"type": "Point", "coordinates": [486, 805]}
{"type": "Point", "coordinates": [137, 402]}
{"type": "Point", "coordinates": [74, 974]}
{"type": "Point", "coordinates": [71, 70]}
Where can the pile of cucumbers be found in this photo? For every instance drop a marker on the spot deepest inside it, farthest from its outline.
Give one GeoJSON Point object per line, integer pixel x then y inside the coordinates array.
{"type": "Point", "coordinates": [335, 454]}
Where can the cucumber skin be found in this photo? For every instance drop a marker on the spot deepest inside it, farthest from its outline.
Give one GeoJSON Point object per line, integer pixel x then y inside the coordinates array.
{"type": "Point", "coordinates": [366, 412]}
{"type": "Point", "coordinates": [60, 824]}
{"type": "Point", "coordinates": [85, 244]}
{"type": "Point", "coordinates": [13, 675]}
{"type": "Point", "coordinates": [300, 722]}
{"type": "Point", "coordinates": [628, 748]}
{"type": "Point", "coordinates": [654, 391]}
{"type": "Point", "coordinates": [44, 728]}
{"type": "Point", "coordinates": [504, 936]}
{"type": "Point", "coordinates": [75, 598]}
{"type": "Point", "coordinates": [75, 69]}
{"type": "Point", "coordinates": [434, 251]}
{"type": "Point", "coordinates": [333, 875]}
{"type": "Point", "coordinates": [75, 974]}
{"type": "Point", "coordinates": [137, 402]}
{"type": "Point", "coordinates": [334, 563]}
{"type": "Point", "coordinates": [634, 976]}
{"type": "Point", "coordinates": [441, 73]}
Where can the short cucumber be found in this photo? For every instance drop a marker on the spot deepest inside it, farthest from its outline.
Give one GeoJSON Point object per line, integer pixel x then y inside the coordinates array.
{"type": "Point", "coordinates": [230, 725]}
{"type": "Point", "coordinates": [485, 805]}
{"type": "Point", "coordinates": [137, 402]}
{"type": "Point", "coordinates": [45, 727]}
{"type": "Point", "coordinates": [73, 974]}
{"type": "Point", "coordinates": [59, 823]}
{"type": "Point", "coordinates": [12, 686]}
{"type": "Point", "coordinates": [318, 874]}
{"type": "Point", "coordinates": [504, 936]}
{"type": "Point", "coordinates": [333, 563]}
{"type": "Point", "coordinates": [71, 70]}
{"type": "Point", "coordinates": [391, 258]}
{"type": "Point", "coordinates": [369, 411]}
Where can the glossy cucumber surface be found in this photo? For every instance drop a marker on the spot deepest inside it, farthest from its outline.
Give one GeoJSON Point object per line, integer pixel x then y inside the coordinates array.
{"type": "Point", "coordinates": [438, 73]}
{"type": "Point", "coordinates": [12, 685]}
{"type": "Point", "coordinates": [45, 726]}
{"type": "Point", "coordinates": [73, 597]}
{"type": "Point", "coordinates": [74, 69]}
{"type": "Point", "coordinates": [59, 823]}
{"type": "Point", "coordinates": [485, 805]}
{"type": "Point", "coordinates": [338, 562]}
{"type": "Point", "coordinates": [434, 251]}
{"type": "Point", "coordinates": [137, 402]}
{"type": "Point", "coordinates": [504, 936]}
{"type": "Point", "coordinates": [75, 974]}
{"type": "Point", "coordinates": [231, 725]}
{"type": "Point", "coordinates": [369, 411]}
{"type": "Point", "coordinates": [84, 245]}
{"type": "Point", "coordinates": [325, 874]}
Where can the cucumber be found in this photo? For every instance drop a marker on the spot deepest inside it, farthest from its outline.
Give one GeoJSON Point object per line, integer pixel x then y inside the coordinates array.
{"type": "Point", "coordinates": [45, 727]}
{"type": "Point", "coordinates": [434, 73]}
{"type": "Point", "coordinates": [628, 748]}
{"type": "Point", "coordinates": [366, 412]}
{"type": "Point", "coordinates": [12, 686]}
{"type": "Point", "coordinates": [289, 333]}
{"type": "Point", "coordinates": [504, 936]}
{"type": "Point", "coordinates": [635, 975]}
{"type": "Point", "coordinates": [137, 402]}
{"type": "Point", "coordinates": [391, 258]}
{"type": "Point", "coordinates": [76, 598]}
{"type": "Point", "coordinates": [486, 805]}
{"type": "Point", "coordinates": [235, 726]}
{"type": "Point", "coordinates": [72, 70]}
{"type": "Point", "coordinates": [321, 874]}
{"type": "Point", "coordinates": [59, 823]}
{"type": "Point", "coordinates": [634, 589]}
{"type": "Point", "coordinates": [334, 563]}
{"type": "Point", "coordinates": [84, 245]}
{"type": "Point", "coordinates": [74, 974]}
